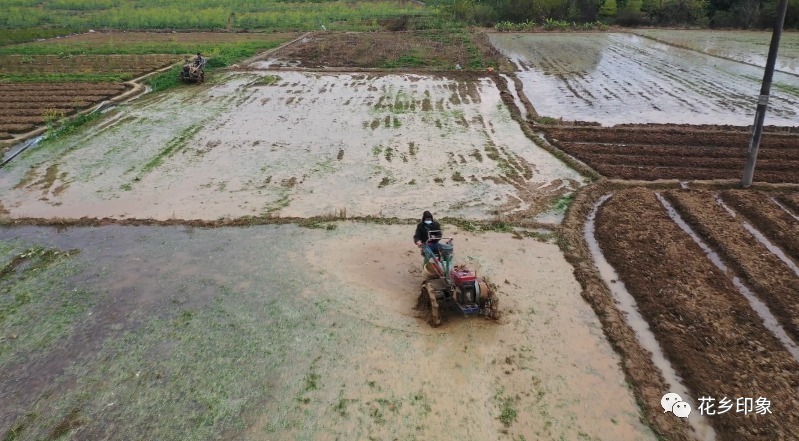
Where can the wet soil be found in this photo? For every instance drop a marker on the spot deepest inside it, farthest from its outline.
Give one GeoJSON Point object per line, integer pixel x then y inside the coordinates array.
{"type": "Point", "coordinates": [774, 282]}
{"type": "Point", "coordinates": [657, 152]}
{"type": "Point", "coordinates": [781, 226]}
{"type": "Point", "coordinates": [417, 50]}
{"type": "Point", "coordinates": [273, 149]}
{"type": "Point", "coordinates": [718, 345]}
{"type": "Point", "coordinates": [244, 332]}
{"type": "Point", "coordinates": [791, 201]}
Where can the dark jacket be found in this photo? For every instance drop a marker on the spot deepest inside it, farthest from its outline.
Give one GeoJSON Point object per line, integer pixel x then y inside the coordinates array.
{"type": "Point", "coordinates": [423, 231]}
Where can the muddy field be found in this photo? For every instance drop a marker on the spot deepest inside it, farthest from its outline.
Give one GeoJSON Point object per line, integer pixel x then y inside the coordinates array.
{"type": "Point", "coordinates": [624, 78]}
{"type": "Point", "coordinates": [420, 50]}
{"type": "Point", "coordinates": [708, 273]}
{"type": "Point", "coordinates": [304, 327]}
{"type": "Point", "coordinates": [661, 152]}
{"type": "Point", "coordinates": [245, 333]}
{"type": "Point", "coordinates": [276, 143]}
{"type": "Point", "coordinates": [23, 106]}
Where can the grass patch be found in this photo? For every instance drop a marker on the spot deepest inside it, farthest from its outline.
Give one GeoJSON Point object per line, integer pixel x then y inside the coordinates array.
{"type": "Point", "coordinates": [174, 146]}
{"type": "Point", "coordinates": [70, 126]}
{"type": "Point", "coordinates": [563, 202]}
{"type": "Point", "coordinates": [165, 80]}
{"type": "Point", "coordinates": [13, 36]}
{"type": "Point", "coordinates": [507, 412]}
{"type": "Point", "coordinates": [36, 307]}
{"type": "Point", "coordinates": [267, 80]}
{"type": "Point", "coordinates": [457, 177]}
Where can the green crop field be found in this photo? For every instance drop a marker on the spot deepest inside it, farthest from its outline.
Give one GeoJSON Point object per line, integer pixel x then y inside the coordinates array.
{"type": "Point", "coordinates": [204, 14]}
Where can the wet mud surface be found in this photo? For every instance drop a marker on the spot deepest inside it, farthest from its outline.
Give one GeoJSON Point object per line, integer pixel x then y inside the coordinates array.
{"type": "Point", "coordinates": [624, 78]}
{"type": "Point", "coordinates": [717, 343]}
{"type": "Point", "coordinates": [276, 143]}
{"type": "Point", "coordinates": [650, 152]}
{"type": "Point", "coordinates": [245, 332]}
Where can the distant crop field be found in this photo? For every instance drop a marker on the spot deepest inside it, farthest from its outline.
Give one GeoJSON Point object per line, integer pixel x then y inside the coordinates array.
{"type": "Point", "coordinates": [207, 14]}
{"type": "Point", "coordinates": [132, 43]}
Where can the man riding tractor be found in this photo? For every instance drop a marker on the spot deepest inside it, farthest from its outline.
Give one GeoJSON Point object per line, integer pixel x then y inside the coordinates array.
{"type": "Point", "coordinates": [427, 229]}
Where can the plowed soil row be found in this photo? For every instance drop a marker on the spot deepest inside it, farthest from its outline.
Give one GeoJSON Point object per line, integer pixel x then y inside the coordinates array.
{"type": "Point", "coordinates": [578, 149]}
{"type": "Point", "coordinates": [115, 64]}
{"type": "Point", "coordinates": [23, 108]}
{"type": "Point", "coordinates": [44, 106]}
{"type": "Point", "coordinates": [648, 173]}
{"type": "Point", "coordinates": [723, 127]}
{"type": "Point", "coordinates": [716, 342]}
{"type": "Point", "coordinates": [46, 87]}
{"type": "Point", "coordinates": [780, 165]}
{"type": "Point", "coordinates": [790, 201]}
{"type": "Point", "coordinates": [54, 99]}
{"type": "Point", "coordinates": [15, 128]}
{"type": "Point", "coordinates": [669, 136]}
{"type": "Point", "coordinates": [649, 152]}
{"type": "Point", "coordinates": [770, 278]}
{"type": "Point", "coordinates": [6, 95]}
{"type": "Point", "coordinates": [28, 112]}
{"type": "Point", "coordinates": [768, 217]}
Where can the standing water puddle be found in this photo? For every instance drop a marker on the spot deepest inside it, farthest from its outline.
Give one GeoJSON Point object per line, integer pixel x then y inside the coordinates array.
{"type": "Point", "coordinates": [768, 319]}
{"type": "Point", "coordinates": [702, 429]}
{"type": "Point", "coordinates": [516, 99]}
{"type": "Point", "coordinates": [784, 208]}
{"type": "Point", "coordinates": [762, 239]}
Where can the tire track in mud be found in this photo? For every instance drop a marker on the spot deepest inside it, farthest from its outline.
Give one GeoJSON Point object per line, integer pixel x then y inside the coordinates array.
{"type": "Point", "coordinates": [717, 343]}
{"type": "Point", "coordinates": [775, 283]}
{"type": "Point", "coordinates": [768, 217]}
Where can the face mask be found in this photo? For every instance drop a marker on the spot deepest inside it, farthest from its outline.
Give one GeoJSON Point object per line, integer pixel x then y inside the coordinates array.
{"type": "Point", "coordinates": [428, 222]}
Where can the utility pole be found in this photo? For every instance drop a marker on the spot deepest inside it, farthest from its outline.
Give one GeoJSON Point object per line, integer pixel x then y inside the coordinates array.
{"type": "Point", "coordinates": [762, 101]}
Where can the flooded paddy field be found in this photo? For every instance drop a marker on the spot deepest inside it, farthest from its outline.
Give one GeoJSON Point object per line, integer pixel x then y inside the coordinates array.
{"type": "Point", "coordinates": [713, 275]}
{"type": "Point", "coordinates": [277, 143]}
{"type": "Point", "coordinates": [282, 332]}
{"type": "Point", "coordinates": [624, 78]}
{"type": "Point", "coordinates": [749, 47]}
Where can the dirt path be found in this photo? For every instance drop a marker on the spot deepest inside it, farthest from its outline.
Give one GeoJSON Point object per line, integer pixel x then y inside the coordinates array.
{"type": "Point", "coordinates": [716, 342]}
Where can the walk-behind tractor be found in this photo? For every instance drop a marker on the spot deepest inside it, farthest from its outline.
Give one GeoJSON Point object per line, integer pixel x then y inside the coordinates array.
{"type": "Point", "coordinates": [193, 71]}
{"type": "Point", "coordinates": [457, 285]}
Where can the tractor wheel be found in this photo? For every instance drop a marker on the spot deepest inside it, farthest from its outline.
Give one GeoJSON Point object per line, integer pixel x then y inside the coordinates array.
{"type": "Point", "coordinates": [435, 314]}
{"type": "Point", "coordinates": [201, 78]}
{"type": "Point", "coordinates": [492, 306]}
